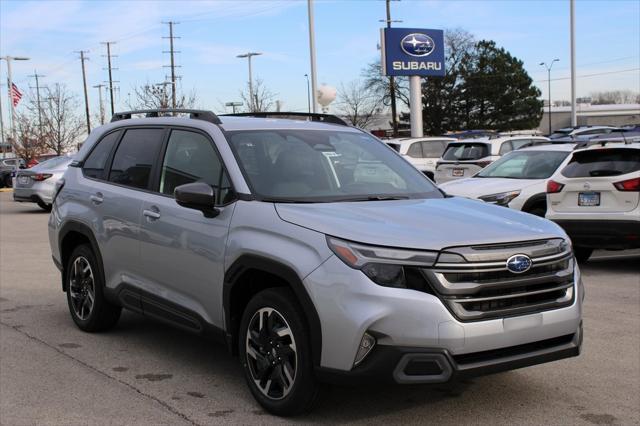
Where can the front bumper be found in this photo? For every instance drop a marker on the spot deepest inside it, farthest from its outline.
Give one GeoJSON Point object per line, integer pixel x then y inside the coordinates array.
{"type": "Point", "coordinates": [404, 365]}
{"type": "Point", "coordinates": [603, 234]}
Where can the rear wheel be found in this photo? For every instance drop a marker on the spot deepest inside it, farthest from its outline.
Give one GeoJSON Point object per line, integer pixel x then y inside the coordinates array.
{"type": "Point", "coordinates": [582, 254]}
{"type": "Point", "coordinates": [275, 352]}
{"type": "Point", "coordinates": [85, 292]}
{"type": "Point", "coordinates": [8, 182]}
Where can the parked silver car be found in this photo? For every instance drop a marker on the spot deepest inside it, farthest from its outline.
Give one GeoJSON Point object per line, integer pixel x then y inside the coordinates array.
{"type": "Point", "coordinates": [38, 184]}
{"type": "Point", "coordinates": [312, 249]}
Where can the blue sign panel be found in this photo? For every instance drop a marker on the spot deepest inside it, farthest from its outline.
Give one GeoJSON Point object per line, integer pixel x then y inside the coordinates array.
{"type": "Point", "coordinates": [411, 51]}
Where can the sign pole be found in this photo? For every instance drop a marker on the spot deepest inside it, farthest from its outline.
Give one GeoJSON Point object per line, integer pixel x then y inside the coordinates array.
{"type": "Point", "coordinates": [415, 106]}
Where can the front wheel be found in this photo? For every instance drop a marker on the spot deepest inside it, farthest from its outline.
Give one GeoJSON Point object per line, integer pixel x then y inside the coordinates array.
{"type": "Point", "coordinates": [275, 352]}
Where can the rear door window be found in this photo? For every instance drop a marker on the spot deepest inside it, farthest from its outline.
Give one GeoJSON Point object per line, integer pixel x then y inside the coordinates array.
{"type": "Point", "coordinates": [433, 149]}
{"type": "Point", "coordinates": [415, 150]}
{"type": "Point", "coordinates": [94, 164]}
{"type": "Point", "coordinates": [135, 156]}
{"type": "Point", "coordinates": [466, 151]}
{"type": "Point", "coordinates": [603, 162]}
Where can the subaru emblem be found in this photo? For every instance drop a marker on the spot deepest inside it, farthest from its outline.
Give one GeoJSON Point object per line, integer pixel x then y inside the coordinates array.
{"type": "Point", "coordinates": [417, 44]}
{"type": "Point", "coordinates": [519, 263]}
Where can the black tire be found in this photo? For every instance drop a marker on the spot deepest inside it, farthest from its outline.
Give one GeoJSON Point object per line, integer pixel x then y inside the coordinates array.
{"type": "Point", "coordinates": [303, 393]}
{"type": "Point", "coordinates": [102, 315]}
{"type": "Point", "coordinates": [44, 206]}
{"type": "Point", "coordinates": [582, 254]}
{"type": "Point", "coordinates": [8, 182]}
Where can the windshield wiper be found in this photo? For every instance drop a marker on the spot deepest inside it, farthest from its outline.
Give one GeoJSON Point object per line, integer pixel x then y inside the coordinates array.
{"type": "Point", "coordinates": [376, 198]}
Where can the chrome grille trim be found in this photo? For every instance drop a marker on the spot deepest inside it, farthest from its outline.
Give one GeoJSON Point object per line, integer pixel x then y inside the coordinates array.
{"type": "Point", "coordinates": [484, 290]}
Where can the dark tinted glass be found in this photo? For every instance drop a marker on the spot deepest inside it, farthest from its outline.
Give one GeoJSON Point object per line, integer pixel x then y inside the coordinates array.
{"type": "Point", "coordinates": [525, 165]}
{"type": "Point", "coordinates": [134, 157]}
{"type": "Point", "coordinates": [466, 151]}
{"type": "Point", "coordinates": [603, 162]}
{"type": "Point", "coordinates": [190, 157]}
{"type": "Point", "coordinates": [95, 162]}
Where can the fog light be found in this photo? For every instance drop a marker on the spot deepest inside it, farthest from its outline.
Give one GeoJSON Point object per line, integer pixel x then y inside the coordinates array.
{"type": "Point", "coordinates": [366, 344]}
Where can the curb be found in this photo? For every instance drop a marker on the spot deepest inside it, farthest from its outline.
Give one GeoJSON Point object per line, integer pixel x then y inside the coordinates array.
{"type": "Point", "coordinates": [6, 189]}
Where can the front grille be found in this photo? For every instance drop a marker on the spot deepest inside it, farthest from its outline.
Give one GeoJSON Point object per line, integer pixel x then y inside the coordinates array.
{"type": "Point", "coordinates": [480, 286]}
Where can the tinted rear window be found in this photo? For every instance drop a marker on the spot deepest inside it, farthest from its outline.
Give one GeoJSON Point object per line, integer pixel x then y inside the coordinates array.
{"type": "Point", "coordinates": [134, 158]}
{"type": "Point", "coordinates": [96, 161]}
{"type": "Point", "coordinates": [603, 162]}
{"type": "Point", "coordinates": [465, 151]}
{"type": "Point", "coordinates": [433, 149]}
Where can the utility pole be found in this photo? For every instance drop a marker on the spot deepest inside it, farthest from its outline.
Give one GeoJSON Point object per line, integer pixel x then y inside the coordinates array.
{"type": "Point", "coordinates": [173, 64]}
{"type": "Point", "coordinates": [108, 44]}
{"type": "Point", "coordinates": [312, 56]}
{"type": "Point", "coordinates": [308, 94]}
{"type": "Point", "coordinates": [572, 6]}
{"type": "Point", "coordinates": [84, 85]}
{"type": "Point", "coordinates": [164, 103]}
{"type": "Point", "coordinates": [1, 123]}
{"type": "Point", "coordinates": [392, 84]}
{"type": "Point", "coordinates": [99, 87]}
{"type": "Point", "coordinates": [36, 76]}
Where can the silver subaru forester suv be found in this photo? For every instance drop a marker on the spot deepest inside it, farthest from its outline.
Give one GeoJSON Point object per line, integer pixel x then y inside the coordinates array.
{"type": "Point", "coordinates": [312, 249]}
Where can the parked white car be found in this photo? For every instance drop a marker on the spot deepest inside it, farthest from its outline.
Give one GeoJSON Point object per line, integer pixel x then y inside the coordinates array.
{"type": "Point", "coordinates": [582, 131]}
{"type": "Point", "coordinates": [518, 180]}
{"type": "Point", "coordinates": [465, 158]}
{"type": "Point", "coordinates": [596, 198]}
{"type": "Point", "coordinates": [422, 153]}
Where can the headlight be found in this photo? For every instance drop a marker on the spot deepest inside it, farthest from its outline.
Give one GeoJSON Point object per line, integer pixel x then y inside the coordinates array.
{"type": "Point", "coordinates": [501, 199]}
{"type": "Point", "coordinates": [383, 265]}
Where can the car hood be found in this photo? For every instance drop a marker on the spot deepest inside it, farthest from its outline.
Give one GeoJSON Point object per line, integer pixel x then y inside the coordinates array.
{"type": "Point", "coordinates": [430, 224]}
{"type": "Point", "coordinates": [476, 187]}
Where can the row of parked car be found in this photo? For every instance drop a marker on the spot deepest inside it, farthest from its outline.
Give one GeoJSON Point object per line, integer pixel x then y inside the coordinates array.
{"type": "Point", "coordinates": [585, 179]}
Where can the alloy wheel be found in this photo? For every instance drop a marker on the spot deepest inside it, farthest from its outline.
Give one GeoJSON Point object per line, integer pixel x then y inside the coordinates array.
{"type": "Point", "coordinates": [82, 288]}
{"type": "Point", "coordinates": [271, 353]}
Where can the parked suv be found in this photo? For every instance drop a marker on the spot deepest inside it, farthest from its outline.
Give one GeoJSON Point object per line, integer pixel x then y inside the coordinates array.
{"type": "Point", "coordinates": [465, 158]}
{"type": "Point", "coordinates": [596, 197]}
{"type": "Point", "coordinates": [312, 249]}
{"type": "Point", "coordinates": [422, 153]}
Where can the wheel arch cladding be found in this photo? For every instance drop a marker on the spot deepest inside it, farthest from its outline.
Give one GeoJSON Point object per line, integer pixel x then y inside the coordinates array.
{"type": "Point", "coordinates": [73, 234]}
{"type": "Point", "coordinates": [534, 201]}
{"type": "Point", "coordinates": [240, 285]}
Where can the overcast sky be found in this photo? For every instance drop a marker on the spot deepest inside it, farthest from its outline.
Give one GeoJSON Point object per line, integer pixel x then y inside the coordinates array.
{"type": "Point", "coordinates": [347, 32]}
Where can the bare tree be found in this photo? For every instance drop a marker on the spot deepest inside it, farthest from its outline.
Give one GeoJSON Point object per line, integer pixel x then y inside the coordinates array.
{"type": "Point", "coordinates": [263, 99]}
{"type": "Point", "coordinates": [158, 96]}
{"type": "Point", "coordinates": [615, 97]}
{"type": "Point", "coordinates": [62, 126]}
{"type": "Point", "coordinates": [28, 143]}
{"type": "Point", "coordinates": [358, 103]}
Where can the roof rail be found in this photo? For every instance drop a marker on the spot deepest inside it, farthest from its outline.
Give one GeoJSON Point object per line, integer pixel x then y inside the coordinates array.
{"type": "Point", "coordinates": [603, 142]}
{"type": "Point", "coordinates": [309, 116]}
{"type": "Point", "coordinates": [195, 114]}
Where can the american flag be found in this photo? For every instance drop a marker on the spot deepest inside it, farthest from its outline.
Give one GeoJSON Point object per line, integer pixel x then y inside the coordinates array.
{"type": "Point", "coordinates": [16, 95]}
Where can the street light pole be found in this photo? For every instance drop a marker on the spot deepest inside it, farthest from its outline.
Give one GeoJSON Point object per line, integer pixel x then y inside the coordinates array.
{"type": "Point", "coordinates": [308, 94]}
{"type": "Point", "coordinates": [312, 54]}
{"type": "Point", "coordinates": [12, 108]}
{"type": "Point", "coordinates": [248, 55]}
{"type": "Point", "coordinates": [548, 67]}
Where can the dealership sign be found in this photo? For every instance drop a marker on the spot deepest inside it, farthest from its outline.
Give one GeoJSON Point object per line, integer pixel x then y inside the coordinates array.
{"type": "Point", "coordinates": [412, 52]}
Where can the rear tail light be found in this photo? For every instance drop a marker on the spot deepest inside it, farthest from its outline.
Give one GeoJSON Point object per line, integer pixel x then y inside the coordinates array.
{"type": "Point", "coordinates": [628, 185]}
{"type": "Point", "coordinates": [554, 187]}
{"type": "Point", "coordinates": [39, 177]}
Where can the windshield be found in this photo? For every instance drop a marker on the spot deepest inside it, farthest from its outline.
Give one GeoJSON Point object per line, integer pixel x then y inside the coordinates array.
{"type": "Point", "coordinates": [466, 151]}
{"type": "Point", "coordinates": [525, 165]}
{"type": "Point", "coordinates": [325, 166]}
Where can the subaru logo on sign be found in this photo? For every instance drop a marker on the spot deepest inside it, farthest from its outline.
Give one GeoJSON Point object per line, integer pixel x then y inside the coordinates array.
{"type": "Point", "coordinates": [519, 263]}
{"type": "Point", "coordinates": [417, 44]}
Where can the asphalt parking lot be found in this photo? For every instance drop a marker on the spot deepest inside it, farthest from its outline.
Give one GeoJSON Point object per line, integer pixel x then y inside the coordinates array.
{"type": "Point", "coordinates": [146, 373]}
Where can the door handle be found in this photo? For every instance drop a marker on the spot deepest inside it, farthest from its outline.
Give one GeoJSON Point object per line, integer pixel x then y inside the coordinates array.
{"type": "Point", "coordinates": [151, 214]}
{"type": "Point", "coordinates": [96, 198]}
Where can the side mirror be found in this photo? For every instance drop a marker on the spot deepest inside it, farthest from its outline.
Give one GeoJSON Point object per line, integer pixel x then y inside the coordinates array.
{"type": "Point", "coordinates": [198, 196]}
